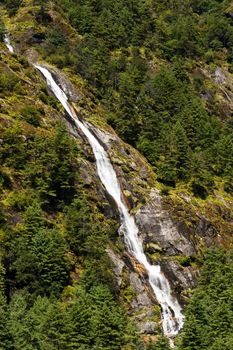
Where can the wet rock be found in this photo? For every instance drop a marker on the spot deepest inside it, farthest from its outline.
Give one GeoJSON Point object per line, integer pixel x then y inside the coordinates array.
{"type": "Point", "coordinates": [129, 280]}
{"type": "Point", "coordinates": [157, 228]}
{"type": "Point", "coordinates": [66, 85]}
{"type": "Point", "coordinates": [133, 264]}
{"type": "Point", "coordinates": [132, 171]}
{"type": "Point", "coordinates": [142, 303]}
{"type": "Point", "coordinates": [182, 279]}
{"type": "Point", "coordinates": [104, 137]}
{"type": "Point", "coordinates": [89, 175]}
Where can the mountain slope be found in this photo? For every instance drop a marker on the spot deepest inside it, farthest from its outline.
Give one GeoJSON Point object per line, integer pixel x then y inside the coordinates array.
{"type": "Point", "coordinates": [66, 189]}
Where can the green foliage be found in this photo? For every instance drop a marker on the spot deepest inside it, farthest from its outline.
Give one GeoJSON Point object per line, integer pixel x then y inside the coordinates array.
{"type": "Point", "coordinates": [92, 61]}
{"type": "Point", "coordinates": [161, 114]}
{"type": "Point", "coordinates": [92, 321]}
{"type": "Point", "coordinates": [32, 115]}
{"type": "Point", "coordinates": [81, 227]}
{"type": "Point", "coordinates": [2, 31]}
{"type": "Point", "coordinates": [47, 164]}
{"type": "Point", "coordinates": [55, 37]}
{"type": "Point", "coordinates": [13, 148]}
{"type": "Point", "coordinates": [12, 6]}
{"type": "Point", "coordinates": [159, 109]}
{"type": "Point", "coordinates": [8, 82]}
{"type": "Point", "coordinates": [99, 322]}
{"type": "Point", "coordinates": [88, 233]}
{"type": "Point", "coordinates": [49, 227]}
{"type": "Point", "coordinates": [174, 127]}
{"type": "Point", "coordinates": [99, 19]}
{"type": "Point", "coordinates": [48, 99]}
{"type": "Point", "coordinates": [209, 314]}
{"type": "Point", "coordinates": [161, 344]}
{"type": "Point", "coordinates": [5, 337]}
{"type": "Point", "coordinates": [45, 251]}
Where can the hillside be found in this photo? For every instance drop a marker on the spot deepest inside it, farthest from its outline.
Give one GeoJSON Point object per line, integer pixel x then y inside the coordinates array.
{"type": "Point", "coordinates": [152, 81]}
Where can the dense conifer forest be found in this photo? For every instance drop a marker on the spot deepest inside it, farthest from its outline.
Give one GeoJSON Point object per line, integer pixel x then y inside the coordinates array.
{"type": "Point", "coordinates": [149, 64]}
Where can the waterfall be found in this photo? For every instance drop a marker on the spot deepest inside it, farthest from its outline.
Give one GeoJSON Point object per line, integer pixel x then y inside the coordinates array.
{"type": "Point", "coordinates": [8, 43]}
{"type": "Point", "coordinates": [172, 318]}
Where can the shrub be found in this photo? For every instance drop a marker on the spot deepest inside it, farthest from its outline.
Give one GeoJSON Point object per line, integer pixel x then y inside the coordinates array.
{"type": "Point", "coordinates": [31, 114]}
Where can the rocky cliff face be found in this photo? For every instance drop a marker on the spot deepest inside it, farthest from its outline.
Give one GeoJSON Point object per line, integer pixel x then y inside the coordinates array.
{"type": "Point", "coordinates": [160, 234]}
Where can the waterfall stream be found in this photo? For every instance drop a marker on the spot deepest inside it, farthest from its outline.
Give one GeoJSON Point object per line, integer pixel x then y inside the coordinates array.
{"type": "Point", "coordinates": [8, 43]}
{"type": "Point", "coordinates": [172, 317]}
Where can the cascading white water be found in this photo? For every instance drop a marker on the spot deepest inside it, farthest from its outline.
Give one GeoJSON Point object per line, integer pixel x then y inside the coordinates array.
{"type": "Point", "coordinates": [8, 43]}
{"type": "Point", "coordinates": [172, 318]}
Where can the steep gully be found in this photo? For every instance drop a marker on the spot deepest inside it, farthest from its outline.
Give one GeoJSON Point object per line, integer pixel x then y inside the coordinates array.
{"type": "Point", "coordinates": [172, 318]}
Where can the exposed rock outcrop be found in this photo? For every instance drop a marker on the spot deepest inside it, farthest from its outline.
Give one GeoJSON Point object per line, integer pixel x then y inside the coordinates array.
{"type": "Point", "coordinates": [217, 89]}
{"type": "Point", "coordinates": [118, 265]}
{"type": "Point", "coordinates": [66, 85]}
{"type": "Point", "coordinates": [135, 292]}
{"type": "Point", "coordinates": [220, 77]}
{"type": "Point", "coordinates": [148, 327]}
{"type": "Point", "coordinates": [182, 279]}
{"type": "Point", "coordinates": [157, 228]}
